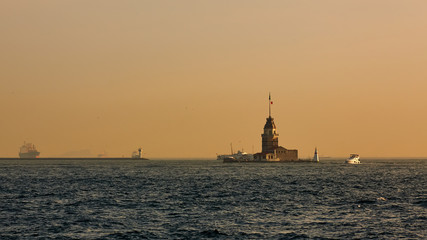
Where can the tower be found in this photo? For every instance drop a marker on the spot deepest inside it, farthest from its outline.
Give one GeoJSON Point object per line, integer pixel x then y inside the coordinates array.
{"type": "Point", "coordinates": [139, 152]}
{"type": "Point", "coordinates": [316, 156]}
{"type": "Point", "coordinates": [270, 138]}
{"type": "Point", "coordinates": [271, 151]}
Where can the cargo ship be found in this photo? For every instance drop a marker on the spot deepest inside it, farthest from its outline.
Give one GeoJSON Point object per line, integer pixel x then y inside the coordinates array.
{"type": "Point", "coordinates": [28, 150]}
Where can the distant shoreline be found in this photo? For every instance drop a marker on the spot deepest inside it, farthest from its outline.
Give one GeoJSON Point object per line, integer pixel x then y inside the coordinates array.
{"type": "Point", "coordinates": [75, 158]}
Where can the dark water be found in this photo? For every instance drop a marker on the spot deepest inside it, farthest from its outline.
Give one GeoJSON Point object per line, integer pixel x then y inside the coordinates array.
{"type": "Point", "coordinates": [379, 199]}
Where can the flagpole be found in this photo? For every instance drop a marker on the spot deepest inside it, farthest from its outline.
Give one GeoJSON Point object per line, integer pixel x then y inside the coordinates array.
{"type": "Point", "coordinates": [269, 105]}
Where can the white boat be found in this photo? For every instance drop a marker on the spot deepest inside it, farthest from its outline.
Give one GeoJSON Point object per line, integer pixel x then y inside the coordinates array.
{"type": "Point", "coordinates": [236, 157]}
{"type": "Point", "coordinates": [353, 159]}
{"type": "Point", "coordinates": [316, 156]}
{"type": "Point", "coordinates": [240, 156]}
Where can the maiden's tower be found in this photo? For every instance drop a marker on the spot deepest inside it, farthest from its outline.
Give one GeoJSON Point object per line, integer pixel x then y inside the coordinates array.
{"type": "Point", "coordinates": [271, 151]}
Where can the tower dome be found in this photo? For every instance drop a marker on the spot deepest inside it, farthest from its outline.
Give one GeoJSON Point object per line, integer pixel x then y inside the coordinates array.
{"type": "Point", "coordinates": [270, 123]}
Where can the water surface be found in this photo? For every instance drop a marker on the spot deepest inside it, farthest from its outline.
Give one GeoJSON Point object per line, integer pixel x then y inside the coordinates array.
{"type": "Point", "coordinates": [209, 199]}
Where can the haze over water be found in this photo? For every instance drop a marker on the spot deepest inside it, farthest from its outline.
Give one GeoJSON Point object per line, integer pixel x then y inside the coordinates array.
{"type": "Point", "coordinates": [88, 77]}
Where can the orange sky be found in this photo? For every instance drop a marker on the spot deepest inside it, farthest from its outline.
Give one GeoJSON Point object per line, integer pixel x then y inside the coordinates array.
{"type": "Point", "coordinates": [187, 78]}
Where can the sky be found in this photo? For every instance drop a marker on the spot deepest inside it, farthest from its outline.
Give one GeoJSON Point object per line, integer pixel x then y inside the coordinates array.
{"type": "Point", "coordinates": [184, 79]}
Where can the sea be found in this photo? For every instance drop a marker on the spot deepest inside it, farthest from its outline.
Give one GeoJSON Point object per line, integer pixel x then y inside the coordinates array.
{"type": "Point", "coordinates": [208, 199]}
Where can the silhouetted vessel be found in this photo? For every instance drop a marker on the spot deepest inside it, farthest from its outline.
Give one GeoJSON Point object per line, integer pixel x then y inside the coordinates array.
{"type": "Point", "coordinates": [28, 150]}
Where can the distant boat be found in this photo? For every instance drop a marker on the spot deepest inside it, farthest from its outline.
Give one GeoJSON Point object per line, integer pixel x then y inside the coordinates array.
{"type": "Point", "coordinates": [28, 150]}
{"type": "Point", "coordinates": [236, 157]}
{"type": "Point", "coordinates": [240, 156]}
{"type": "Point", "coordinates": [353, 159]}
{"type": "Point", "coordinates": [316, 156]}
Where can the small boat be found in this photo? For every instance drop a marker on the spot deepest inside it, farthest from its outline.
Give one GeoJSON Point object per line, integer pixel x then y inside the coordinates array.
{"type": "Point", "coordinates": [240, 156]}
{"type": "Point", "coordinates": [353, 159]}
{"type": "Point", "coordinates": [236, 157]}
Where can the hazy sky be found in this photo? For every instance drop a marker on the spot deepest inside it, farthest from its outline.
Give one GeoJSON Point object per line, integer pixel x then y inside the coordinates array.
{"type": "Point", "coordinates": [187, 78]}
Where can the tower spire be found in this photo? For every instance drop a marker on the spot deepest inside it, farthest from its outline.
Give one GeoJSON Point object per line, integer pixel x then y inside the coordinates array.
{"type": "Point", "coordinates": [269, 105]}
